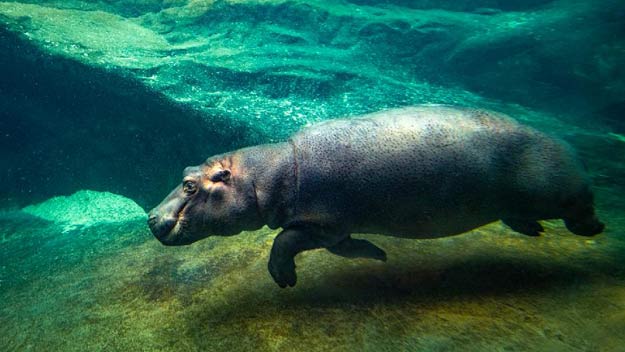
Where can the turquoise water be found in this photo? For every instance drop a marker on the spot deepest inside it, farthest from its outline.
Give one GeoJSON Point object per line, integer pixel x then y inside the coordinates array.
{"type": "Point", "coordinates": [103, 104]}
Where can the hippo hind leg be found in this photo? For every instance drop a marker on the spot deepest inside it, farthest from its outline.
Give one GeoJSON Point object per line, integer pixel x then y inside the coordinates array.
{"type": "Point", "coordinates": [355, 248]}
{"type": "Point", "coordinates": [524, 226]}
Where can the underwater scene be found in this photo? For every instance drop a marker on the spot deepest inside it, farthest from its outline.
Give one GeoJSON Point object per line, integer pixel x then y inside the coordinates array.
{"type": "Point", "coordinates": [354, 175]}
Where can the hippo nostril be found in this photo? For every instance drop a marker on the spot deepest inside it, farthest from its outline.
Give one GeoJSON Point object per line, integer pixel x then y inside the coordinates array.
{"type": "Point", "coordinates": [152, 222]}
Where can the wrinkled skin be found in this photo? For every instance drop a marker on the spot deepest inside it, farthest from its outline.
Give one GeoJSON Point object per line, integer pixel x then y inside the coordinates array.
{"type": "Point", "coordinates": [419, 172]}
{"type": "Point", "coordinates": [210, 201]}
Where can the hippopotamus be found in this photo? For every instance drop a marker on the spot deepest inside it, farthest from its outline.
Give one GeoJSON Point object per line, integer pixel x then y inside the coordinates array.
{"type": "Point", "coordinates": [415, 172]}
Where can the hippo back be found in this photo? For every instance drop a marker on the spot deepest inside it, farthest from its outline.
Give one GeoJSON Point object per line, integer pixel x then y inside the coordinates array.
{"type": "Point", "coordinates": [415, 172]}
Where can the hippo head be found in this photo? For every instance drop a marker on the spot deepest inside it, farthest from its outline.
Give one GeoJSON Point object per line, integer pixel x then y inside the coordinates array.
{"type": "Point", "coordinates": [214, 198]}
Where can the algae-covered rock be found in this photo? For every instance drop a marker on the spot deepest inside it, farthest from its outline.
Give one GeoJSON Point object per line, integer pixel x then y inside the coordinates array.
{"type": "Point", "coordinates": [194, 78]}
{"type": "Point", "coordinates": [287, 63]}
{"type": "Point", "coordinates": [87, 208]}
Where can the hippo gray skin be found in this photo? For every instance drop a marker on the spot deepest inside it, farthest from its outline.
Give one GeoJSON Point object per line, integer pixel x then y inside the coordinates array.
{"type": "Point", "coordinates": [417, 172]}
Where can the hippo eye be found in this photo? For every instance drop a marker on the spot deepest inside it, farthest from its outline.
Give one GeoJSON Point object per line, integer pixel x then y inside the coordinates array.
{"type": "Point", "coordinates": [189, 187]}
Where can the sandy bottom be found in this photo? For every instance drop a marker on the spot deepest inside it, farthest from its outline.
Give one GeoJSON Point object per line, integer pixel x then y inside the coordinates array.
{"type": "Point", "coordinates": [115, 288]}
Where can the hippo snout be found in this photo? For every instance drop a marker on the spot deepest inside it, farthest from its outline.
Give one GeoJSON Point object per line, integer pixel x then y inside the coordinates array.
{"type": "Point", "coordinates": [160, 227]}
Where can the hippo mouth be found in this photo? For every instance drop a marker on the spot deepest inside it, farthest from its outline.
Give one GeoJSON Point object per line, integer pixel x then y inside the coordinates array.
{"type": "Point", "coordinates": [168, 229]}
{"type": "Point", "coordinates": [161, 228]}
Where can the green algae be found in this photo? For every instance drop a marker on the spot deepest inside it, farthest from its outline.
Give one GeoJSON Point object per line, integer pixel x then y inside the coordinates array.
{"type": "Point", "coordinates": [86, 208]}
{"type": "Point", "coordinates": [327, 58]}
{"type": "Point", "coordinates": [252, 72]}
{"type": "Point", "coordinates": [489, 289]}
{"type": "Point", "coordinates": [90, 36]}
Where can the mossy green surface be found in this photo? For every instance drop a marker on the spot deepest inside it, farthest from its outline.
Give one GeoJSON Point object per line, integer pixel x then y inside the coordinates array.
{"type": "Point", "coordinates": [193, 78]}
{"type": "Point", "coordinates": [114, 287]}
{"type": "Point", "coordinates": [278, 65]}
{"type": "Point", "coordinates": [86, 208]}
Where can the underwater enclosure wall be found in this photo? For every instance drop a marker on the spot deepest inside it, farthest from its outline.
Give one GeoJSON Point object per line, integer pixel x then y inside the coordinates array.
{"type": "Point", "coordinates": [104, 103]}
{"type": "Point", "coordinates": [194, 78]}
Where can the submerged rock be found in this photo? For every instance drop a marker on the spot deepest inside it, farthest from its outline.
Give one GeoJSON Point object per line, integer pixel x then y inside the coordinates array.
{"type": "Point", "coordinates": [87, 208]}
{"type": "Point", "coordinates": [284, 64]}
{"type": "Point", "coordinates": [170, 82]}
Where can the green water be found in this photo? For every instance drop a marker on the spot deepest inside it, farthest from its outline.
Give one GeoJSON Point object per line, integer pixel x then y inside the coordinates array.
{"type": "Point", "coordinates": [103, 103]}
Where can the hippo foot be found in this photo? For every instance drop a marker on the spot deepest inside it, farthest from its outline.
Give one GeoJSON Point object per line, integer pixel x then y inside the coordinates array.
{"type": "Point", "coordinates": [283, 272]}
{"type": "Point", "coordinates": [588, 226]}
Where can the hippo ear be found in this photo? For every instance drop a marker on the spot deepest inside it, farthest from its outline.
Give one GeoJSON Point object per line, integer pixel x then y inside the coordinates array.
{"type": "Point", "coordinates": [221, 176]}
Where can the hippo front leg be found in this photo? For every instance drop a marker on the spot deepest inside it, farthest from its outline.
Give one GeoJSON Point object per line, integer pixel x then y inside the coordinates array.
{"type": "Point", "coordinates": [286, 246]}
